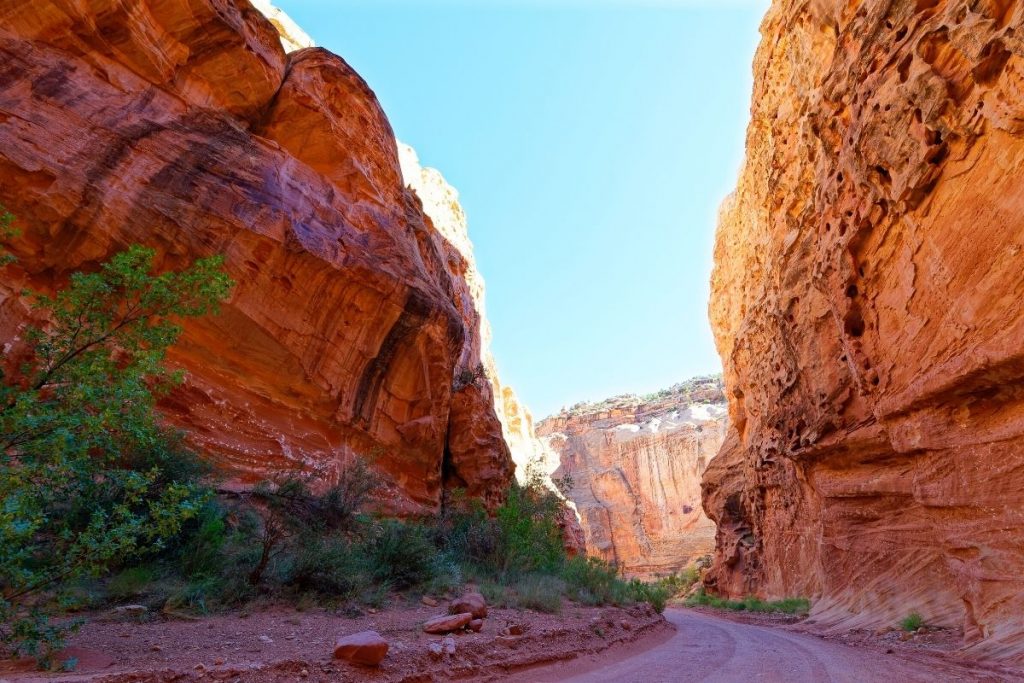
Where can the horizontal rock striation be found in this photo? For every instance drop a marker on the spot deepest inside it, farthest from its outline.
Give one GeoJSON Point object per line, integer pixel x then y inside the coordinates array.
{"type": "Point", "coordinates": [635, 468]}
{"type": "Point", "coordinates": [868, 305]}
{"type": "Point", "coordinates": [183, 125]}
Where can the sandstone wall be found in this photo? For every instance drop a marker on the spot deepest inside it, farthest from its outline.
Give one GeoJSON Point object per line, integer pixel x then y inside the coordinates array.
{"type": "Point", "coordinates": [635, 468]}
{"type": "Point", "coordinates": [185, 126]}
{"type": "Point", "coordinates": [867, 304]}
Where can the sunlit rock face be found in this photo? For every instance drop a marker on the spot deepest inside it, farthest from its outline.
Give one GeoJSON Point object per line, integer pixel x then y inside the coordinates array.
{"type": "Point", "coordinates": [635, 467]}
{"type": "Point", "coordinates": [867, 304]}
{"type": "Point", "coordinates": [185, 126]}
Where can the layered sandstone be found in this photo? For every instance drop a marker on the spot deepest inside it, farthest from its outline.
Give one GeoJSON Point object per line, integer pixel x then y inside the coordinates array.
{"type": "Point", "coordinates": [868, 304]}
{"type": "Point", "coordinates": [634, 468]}
{"type": "Point", "coordinates": [186, 127]}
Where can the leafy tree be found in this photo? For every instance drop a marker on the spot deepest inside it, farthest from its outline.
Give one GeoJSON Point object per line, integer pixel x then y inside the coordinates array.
{"type": "Point", "coordinates": [89, 476]}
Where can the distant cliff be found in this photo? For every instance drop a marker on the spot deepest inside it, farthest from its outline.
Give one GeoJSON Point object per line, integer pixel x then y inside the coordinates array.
{"type": "Point", "coordinates": [635, 466]}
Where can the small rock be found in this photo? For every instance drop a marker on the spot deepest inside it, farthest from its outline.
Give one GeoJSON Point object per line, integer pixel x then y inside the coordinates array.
{"type": "Point", "coordinates": [435, 649]}
{"type": "Point", "coordinates": [447, 623]}
{"type": "Point", "coordinates": [448, 645]}
{"type": "Point", "coordinates": [371, 610]}
{"type": "Point", "coordinates": [428, 601]}
{"type": "Point", "coordinates": [304, 673]}
{"type": "Point", "coordinates": [155, 648]}
{"type": "Point", "coordinates": [473, 603]}
{"type": "Point", "coordinates": [906, 635]}
{"type": "Point", "coordinates": [367, 648]}
{"type": "Point", "coordinates": [923, 629]}
{"type": "Point", "coordinates": [218, 662]}
{"type": "Point", "coordinates": [514, 630]}
{"type": "Point", "coordinates": [507, 641]}
{"type": "Point", "coordinates": [476, 625]}
{"type": "Point", "coordinates": [626, 626]}
{"type": "Point", "coordinates": [266, 639]}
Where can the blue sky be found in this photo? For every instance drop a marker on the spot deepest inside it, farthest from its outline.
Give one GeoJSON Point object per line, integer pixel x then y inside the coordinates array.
{"type": "Point", "coordinates": [591, 144]}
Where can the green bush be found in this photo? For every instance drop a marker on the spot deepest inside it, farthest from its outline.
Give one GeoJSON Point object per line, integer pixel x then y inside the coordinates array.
{"type": "Point", "coordinates": [593, 581]}
{"type": "Point", "coordinates": [89, 476]}
{"type": "Point", "coordinates": [130, 582]}
{"type": "Point", "coordinates": [750, 604]}
{"type": "Point", "coordinates": [541, 592]}
{"type": "Point", "coordinates": [528, 538]}
{"type": "Point", "coordinates": [912, 622]}
{"type": "Point", "coordinates": [328, 566]}
{"type": "Point", "coordinates": [401, 554]}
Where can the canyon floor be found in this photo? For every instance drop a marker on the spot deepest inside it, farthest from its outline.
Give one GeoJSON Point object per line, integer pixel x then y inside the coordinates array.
{"type": "Point", "coordinates": [581, 645]}
{"type": "Point", "coordinates": [713, 647]}
{"type": "Point", "coordinates": [283, 644]}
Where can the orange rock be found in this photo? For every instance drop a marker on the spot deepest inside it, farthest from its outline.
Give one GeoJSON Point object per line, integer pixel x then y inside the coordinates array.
{"type": "Point", "coordinates": [351, 318]}
{"type": "Point", "coordinates": [447, 623]}
{"type": "Point", "coordinates": [636, 468]}
{"type": "Point", "coordinates": [367, 648]}
{"type": "Point", "coordinates": [866, 302]}
{"type": "Point", "coordinates": [473, 603]}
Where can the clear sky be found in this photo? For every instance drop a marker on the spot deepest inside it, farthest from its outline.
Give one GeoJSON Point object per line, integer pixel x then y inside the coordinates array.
{"type": "Point", "coordinates": [591, 143]}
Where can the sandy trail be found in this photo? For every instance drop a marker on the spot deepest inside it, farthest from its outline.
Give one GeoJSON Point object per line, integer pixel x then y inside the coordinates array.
{"type": "Point", "coordinates": [710, 649]}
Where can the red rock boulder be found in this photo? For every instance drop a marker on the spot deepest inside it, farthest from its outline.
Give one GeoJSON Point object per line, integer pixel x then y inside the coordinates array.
{"type": "Point", "coordinates": [367, 648]}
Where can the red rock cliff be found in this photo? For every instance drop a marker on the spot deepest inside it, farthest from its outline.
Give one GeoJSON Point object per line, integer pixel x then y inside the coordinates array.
{"type": "Point", "coordinates": [183, 125]}
{"type": "Point", "coordinates": [635, 467]}
{"type": "Point", "coordinates": [868, 304]}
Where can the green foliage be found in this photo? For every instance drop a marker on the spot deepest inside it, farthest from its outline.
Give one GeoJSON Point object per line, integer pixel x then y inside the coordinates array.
{"type": "Point", "coordinates": [529, 539]}
{"type": "Point", "coordinates": [750, 604]}
{"type": "Point", "coordinates": [401, 554]}
{"type": "Point", "coordinates": [7, 231]}
{"type": "Point", "coordinates": [130, 582]}
{"type": "Point", "coordinates": [541, 592]}
{"type": "Point", "coordinates": [89, 477]}
{"type": "Point", "coordinates": [912, 622]}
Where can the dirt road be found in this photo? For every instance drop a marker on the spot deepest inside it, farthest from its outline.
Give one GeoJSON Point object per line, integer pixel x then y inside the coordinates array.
{"type": "Point", "coordinates": [710, 649]}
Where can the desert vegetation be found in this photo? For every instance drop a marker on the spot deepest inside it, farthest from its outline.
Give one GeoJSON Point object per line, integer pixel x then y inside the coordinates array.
{"type": "Point", "coordinates": [912, 622]}
{"type": "Point", "coordinates": [749, 604]}
{"type": "Point", "coordinates": [102, 504]}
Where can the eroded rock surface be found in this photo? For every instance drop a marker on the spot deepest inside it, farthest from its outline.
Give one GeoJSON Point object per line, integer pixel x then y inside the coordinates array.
{"type": "Point", "coordinates": [635, 467]}
{"type": "Point", "coordinates": [186, 127]}
{"type": "Point", "coordinates": [867, 304]}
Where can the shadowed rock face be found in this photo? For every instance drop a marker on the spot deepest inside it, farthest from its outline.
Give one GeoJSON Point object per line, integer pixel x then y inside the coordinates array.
{"type": "Point", "coordinates": [184, 126]}
{"type": "Point", "coordinates": [635, 468]}
{"type": "Point", "coordinates": [867, 304]}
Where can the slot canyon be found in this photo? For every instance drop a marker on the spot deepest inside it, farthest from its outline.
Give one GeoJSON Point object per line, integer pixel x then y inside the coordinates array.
{"type": "Point", "coordinates": [862, 449]}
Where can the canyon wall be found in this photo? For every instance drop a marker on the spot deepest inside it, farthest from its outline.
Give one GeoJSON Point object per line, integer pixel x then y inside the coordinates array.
{"type": "Point", "coordinates": [353, 329]}
{"type": "Point", "coordinates": [634, 468]}
{"type": "Point", "coordinates": [868, 305]}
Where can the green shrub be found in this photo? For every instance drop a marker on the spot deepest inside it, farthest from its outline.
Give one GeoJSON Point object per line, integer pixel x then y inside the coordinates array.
{"type": "Point", "coordinates": [400, 554]}
{"type": "Point", "coordinates": [541, 592]}
{"type": "Point", "coordinates": [89, 476]}
{"type": "Point", "coordinates": [327, 566]}
{"type": "Point", "coordinates": [656, 594]}
{"type": "Point", "coordinates": [130, 582]}
{"type": "Point", "coordinates": [912, 622]}
{"type": "Point", "coordinates": [592, 581]}
{"type": "Point", "coordinates": [496, 594]}
{"type": "Point", "coordinates": [750, 604]}
{"type": "Point", "coordinates": [528, 539]}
